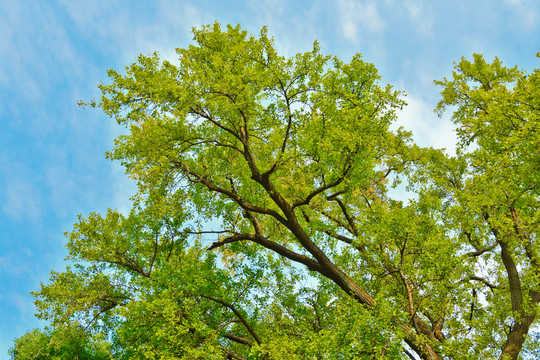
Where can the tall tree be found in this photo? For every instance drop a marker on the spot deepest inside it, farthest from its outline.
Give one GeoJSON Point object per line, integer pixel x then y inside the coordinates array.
{"type": "Point", "coordinates": [494, 184]}
{"type": "Point", "coordinates": [265, 226]}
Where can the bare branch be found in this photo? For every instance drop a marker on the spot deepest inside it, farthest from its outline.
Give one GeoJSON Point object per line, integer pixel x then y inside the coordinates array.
{"type": "Point", "coordinates": [345, 239]}
{"type": "Point", "coordinates": [408, 289]}
{"type": "Point", "coordinates": [411, 356]}
{"type": "Point", "coordinates": [207, 232]}
{"type": "Point", "coordinates": [130, 264]}
{"type": "Point", "coordinates": [156, 243]}
{"type": "Point", "coordinates": [254, 221]}
{"type": "Point", "coordinates": [335, 220]}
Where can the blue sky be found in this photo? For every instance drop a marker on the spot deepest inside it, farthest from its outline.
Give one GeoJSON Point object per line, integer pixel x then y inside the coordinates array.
{"type": "Point", "coordinates": [54, 53]}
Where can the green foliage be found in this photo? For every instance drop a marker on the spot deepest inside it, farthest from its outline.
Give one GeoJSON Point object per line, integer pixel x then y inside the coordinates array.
{"type": "Point", "coordinates": [263, 226]}
{"type": "Point", "coordinates": [63, 343]}
{"type": "Point", "coordinates": [493, 184]}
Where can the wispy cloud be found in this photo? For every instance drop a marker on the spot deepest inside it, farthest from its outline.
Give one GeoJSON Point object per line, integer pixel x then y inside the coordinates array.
{"type": "Point", "coordinates": [16, 263]}
{"type": "Point", "coordinates": [526, 10]}
{"type": "Point", "coordinates": [29, 53]}
{"type": "Point", "coordinates": [420, 15]}
{"type": "Point", "coordinates": [357, 15]}
{"type": "Point", "coordinates": [111, 26]}
{"type": "Point", "coordinates": [21, 198]}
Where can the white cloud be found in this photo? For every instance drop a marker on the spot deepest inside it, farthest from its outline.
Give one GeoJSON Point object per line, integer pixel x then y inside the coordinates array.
{"type": "Point", "coordinates": [88, 13]}
{"type": "Point", "coordinates": [421, 18]}
{"type": "Point", "coordinates": [355, 15]}
{"type": "Point", "coordinates": [428, 129]}
{"type": "Point", "coordinates": [123, 33]}
{"type": "Point", "coordinates": [413, 8]}
{"type": "Point", "coordinates": [275, 15]}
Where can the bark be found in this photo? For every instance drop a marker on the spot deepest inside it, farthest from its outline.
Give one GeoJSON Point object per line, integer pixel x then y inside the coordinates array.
{"type": "Point", "coordinates": [518, 332]}
{"type": "Point", "coordinates": [522, 322]}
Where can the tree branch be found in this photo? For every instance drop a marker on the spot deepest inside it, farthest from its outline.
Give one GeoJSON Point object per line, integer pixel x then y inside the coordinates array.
{"type": "Point", "coordinates": [318, 191]}
{"type": "Point", "coordinates": [485, 282]}
{"type": "Point", "coordinates": [238, 315]}
{"type": "Point", "coordinates": [481, 251]}
{"type": "Point", "coordinates": [238, 339]}
{"type": "Point", "coordinates": [516, 294]}
{"type": "Point", "coordinates": [200, 112]}
{"type": "Point", "coordinates": [196, 178]}
{"type": "Point", "coordinates": [527, 243]}
{"type": "Point", "coordinates": [347, 216]}
{"type": "Point", "coordinates": [279, 249]}
{"type": "Point", "coordinates": [231, 239]}
{"type": "Point", "coordinates": [233, 356]}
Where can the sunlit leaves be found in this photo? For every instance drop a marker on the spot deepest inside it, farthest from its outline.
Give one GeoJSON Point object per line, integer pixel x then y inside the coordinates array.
{"type": "Point", "coordinates": [264, 228]}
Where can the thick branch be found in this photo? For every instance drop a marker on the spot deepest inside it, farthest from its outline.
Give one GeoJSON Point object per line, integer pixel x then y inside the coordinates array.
{"type": "Point", "coordinates": [231, 239]}
{"type": "Point", "coordinates": [238, 315]}
{"type": "Point", "coordinates": [412, 309]}
{"type": "Point", "coordinates": [279, 249]}
{"type": "Point", "coordinates": [485, 282]}
{"type": "Point", "coordinates": [513, 276]}
{"type": "Point", "coordinates": [238, 339]}
{"type": "Point", "coordinates": [421, 347]}
{"type": "Point", "coordinates": [518, 332]}
{"type": "Point", "coordinates": [321, 262]}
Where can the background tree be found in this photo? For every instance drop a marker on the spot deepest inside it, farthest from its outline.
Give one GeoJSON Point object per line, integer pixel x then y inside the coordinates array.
{"type": "Point", "coordinates": [494, 188]}
{"type": "Point", "coordinates": [263, 226]}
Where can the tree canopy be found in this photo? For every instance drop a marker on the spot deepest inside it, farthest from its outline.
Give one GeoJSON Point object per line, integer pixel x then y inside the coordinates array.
{"type": "Point", "coordinates": [65, 342]}
{"type": "Point", "coordinates": [267, 226]}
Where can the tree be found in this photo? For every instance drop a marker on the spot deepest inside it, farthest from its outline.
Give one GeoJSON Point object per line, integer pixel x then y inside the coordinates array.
{"type": "Point", "coordinates": [494, 184]}
{"type": "Point", "coordinates": [265, 226]}
{"type": "Point", "coordinates": [63, 343]}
